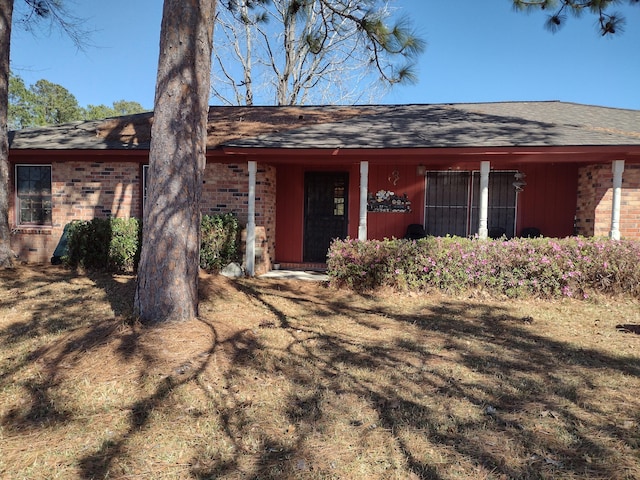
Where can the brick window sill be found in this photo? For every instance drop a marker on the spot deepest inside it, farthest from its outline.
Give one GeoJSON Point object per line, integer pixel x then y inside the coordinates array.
{"type": "Point", "coordinates": [31, 231]}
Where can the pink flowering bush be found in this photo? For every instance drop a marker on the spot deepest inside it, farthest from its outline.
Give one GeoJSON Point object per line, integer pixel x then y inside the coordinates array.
{"type": "Point", "coordinates": [542, 267]}
{"type": "Point", "coordinates": [362, 265]}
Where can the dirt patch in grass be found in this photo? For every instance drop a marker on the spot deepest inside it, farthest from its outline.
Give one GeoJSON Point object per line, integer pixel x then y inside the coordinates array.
{"type": "Point", "coordinates": [285, 379]}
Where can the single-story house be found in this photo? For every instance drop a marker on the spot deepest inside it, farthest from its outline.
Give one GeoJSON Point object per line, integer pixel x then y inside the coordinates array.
{"type": "Point", "coordinates": [300, 176]}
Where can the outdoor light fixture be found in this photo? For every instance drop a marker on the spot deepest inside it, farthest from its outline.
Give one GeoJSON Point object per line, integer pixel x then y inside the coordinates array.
{"type": "Point", "coordinates": [421, 170]}
{"type": "Point", "coordinates": [519, 184]}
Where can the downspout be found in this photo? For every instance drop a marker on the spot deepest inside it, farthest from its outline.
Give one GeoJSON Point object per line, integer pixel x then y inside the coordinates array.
{"type": "Point", "coordinates": [251, 221]}
{"type": "Point", "coordinates": [483, 230]}
{"type": "Point", "coordinates": [364, 187]}
{"type": "Point", "coordinates": [617, 167]}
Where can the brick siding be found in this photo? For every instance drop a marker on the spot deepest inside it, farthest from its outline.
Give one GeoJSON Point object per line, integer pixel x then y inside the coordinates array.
{"type": "Point", "coordinates": [86, 190]}
{"type": "Point", "coordinates": [595, 195]}
{"type": "Point", "coordinates": [80, 191]}
{"type": "Point", "coordinates": [226, 188]}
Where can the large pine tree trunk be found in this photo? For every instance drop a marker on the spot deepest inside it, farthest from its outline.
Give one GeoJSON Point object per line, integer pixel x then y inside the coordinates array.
{"type": "Point", "coordinates": [6, 13]}
{"type": "Point", "coordinates": [167, 288]}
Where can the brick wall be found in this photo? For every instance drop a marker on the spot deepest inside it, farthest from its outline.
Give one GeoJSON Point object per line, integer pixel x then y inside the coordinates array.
{"type": "Point", "coordinates": [86, 190]}
{"type": "Point", "coordinates": [225, 190]}
{"type": "Point", "coordinates": [595, 194]}
{"type": "Point", "coordinates": [95, 190]}
{"type": "Point", "coordinates": [266, 209]}
{"type": "Point", "coordinates": [588, 186]}
{"type": "Point", "coordinates": [630, 204]}
{"type": "Point", "coordinates": [80, 191]}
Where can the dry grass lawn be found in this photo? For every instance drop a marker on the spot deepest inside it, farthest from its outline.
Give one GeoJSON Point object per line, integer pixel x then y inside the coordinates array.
{"type": "Point", "coordinates": [284, 379]}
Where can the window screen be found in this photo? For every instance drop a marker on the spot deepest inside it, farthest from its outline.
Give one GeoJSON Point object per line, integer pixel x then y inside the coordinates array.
{"type": "Point", "coordinates": [453, 199]}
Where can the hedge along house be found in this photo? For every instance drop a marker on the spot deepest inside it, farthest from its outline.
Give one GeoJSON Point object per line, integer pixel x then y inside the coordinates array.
{"type": "Point", "coordinates": [298, 177]}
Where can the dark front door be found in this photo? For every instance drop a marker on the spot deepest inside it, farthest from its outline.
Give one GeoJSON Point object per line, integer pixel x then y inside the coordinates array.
{"type": "Point", "coordinates": [325, 212]}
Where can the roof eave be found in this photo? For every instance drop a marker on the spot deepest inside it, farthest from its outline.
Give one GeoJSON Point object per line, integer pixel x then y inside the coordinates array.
{"type": "Point", "coordinates": [574, 153]}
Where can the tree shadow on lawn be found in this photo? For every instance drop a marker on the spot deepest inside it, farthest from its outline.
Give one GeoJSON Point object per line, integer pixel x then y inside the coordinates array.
{"type": "Point", "coordinates": [534, 373]}
{"type": "Point", "coordinates": [520, 404]}
{"type": "Point", "coordinates": [100, 463]}
{"type": "Point", "coordinates": [458, 385]}
{"type": "Point", "coordinates": [51, 303]}
{"type": "Point", "coordinates": [52, 338]}
{"type": "Point", "coordinates": [57, 298]}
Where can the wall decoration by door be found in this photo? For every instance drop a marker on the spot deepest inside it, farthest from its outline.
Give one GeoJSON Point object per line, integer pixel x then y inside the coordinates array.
{"type": "Point", "coordinates": [394, 178]}
{"type": "Point", "coordinates": [388, 201]}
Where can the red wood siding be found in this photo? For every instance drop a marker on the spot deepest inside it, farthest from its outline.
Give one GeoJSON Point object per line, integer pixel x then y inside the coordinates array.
{"type": "Point", "coordinates": [289, 213]}
{"type": "Point", "coordinates": [290, 204]}
{"type": "Point", "coordinates": [548, 201]}
{"type": "Point", "coordinates": [399, 179]}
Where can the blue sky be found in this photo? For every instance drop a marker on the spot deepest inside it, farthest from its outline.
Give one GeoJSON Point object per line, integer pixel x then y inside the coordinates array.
{"type": "Point", "coordinates": [478, 51]}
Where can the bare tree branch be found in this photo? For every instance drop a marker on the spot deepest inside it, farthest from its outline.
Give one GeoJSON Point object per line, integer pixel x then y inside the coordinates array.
{"type": "Point", "coordinates": [302, 49]}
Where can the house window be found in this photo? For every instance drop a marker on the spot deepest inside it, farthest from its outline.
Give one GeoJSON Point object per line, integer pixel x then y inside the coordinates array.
{"type": "Point", "coordinates": [33, 189]}
{"type": "Point", "coordinates": [453, 203]}
{"type": "Point", "coordinates": [447, 205]}
{"type": "Point", "coordinates": [145, 179]}
{"type": "Point", "coordinates": [338, 201]}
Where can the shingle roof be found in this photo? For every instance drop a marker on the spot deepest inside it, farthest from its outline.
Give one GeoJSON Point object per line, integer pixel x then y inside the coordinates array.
{"type": "Point", "coordinates": [85, 135]}
{"type": "Point", "coordinates": [466, 125]}
{"type": "Point", "coordinates": [133, 132]}
{"type": "Point", "coordinates": [380, 126]}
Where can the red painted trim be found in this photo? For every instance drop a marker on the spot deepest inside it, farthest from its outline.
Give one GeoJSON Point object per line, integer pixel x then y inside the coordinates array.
{"type": "Point", "coordinates": [460, 157]}
{"type": "Point", "coordinates": [581, 154]}
{"type": "Point", "coordinates": [72, 155]}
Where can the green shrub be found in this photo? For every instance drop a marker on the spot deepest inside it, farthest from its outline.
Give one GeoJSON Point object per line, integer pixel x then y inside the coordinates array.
{"type": "Point", "coordinates": [77, 243]}
{"type": "Point", "coordinates": [113, 244]}
{"type": "Point", "coordinates": [541, 267]}
{"type": "Point", "coordinates": [124, 251]}
{"type": "Point", "coordinates": [103, 244]}
{"type": "Point", "coordinates": [219, 244]}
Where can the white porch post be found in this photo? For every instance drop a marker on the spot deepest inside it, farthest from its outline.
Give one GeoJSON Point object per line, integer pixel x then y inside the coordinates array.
{"type": "Point", "coordinates": [364, 187]}
{"type": "Point", "coordinates": [618, 168]}
{"type": "Point", "coordinates": [251, 221]}
{"type": "Point", "coordinates": [483, 230]}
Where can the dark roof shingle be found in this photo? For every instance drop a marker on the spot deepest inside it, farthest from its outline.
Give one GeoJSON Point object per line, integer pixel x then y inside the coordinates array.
{"type": "Point", "coordinates": [372, 126]}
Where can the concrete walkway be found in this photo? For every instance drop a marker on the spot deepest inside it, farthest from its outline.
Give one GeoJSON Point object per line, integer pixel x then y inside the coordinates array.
{"type": "Point", "coordinates": [297, 275]}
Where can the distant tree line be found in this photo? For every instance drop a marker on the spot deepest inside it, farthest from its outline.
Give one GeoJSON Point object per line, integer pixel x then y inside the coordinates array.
{"type": "Point", "coordinates": [46, 103]}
